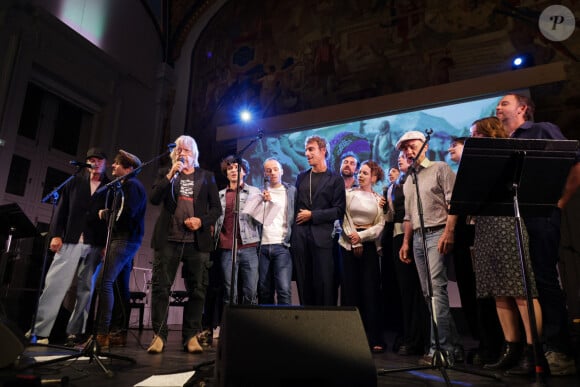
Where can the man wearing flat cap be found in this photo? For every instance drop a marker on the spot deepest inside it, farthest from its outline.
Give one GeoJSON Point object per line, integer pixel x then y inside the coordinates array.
{"type": "Point", "coordinates": [126, 237]}
{"type": "Point", "coordinates": [77, 239]}
{"type": "Point", "coordinates": [435, 180]}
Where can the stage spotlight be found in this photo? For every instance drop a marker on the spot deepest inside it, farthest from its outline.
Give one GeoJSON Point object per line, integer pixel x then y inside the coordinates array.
{"type": "Point", "coordinates": [522, 61]}
{"type": "Point", "coordinates": [246, 116]}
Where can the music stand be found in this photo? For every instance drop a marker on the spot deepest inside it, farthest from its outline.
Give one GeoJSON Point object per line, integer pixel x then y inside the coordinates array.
{"type": "Point", "coordinates": [499, 177]}
{"type": "Point", "coordinates": [14, 224]}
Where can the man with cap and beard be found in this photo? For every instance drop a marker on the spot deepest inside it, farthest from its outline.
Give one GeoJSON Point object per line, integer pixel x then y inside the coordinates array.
{"type": "Point", "coordinates": [77, 239]}
{"type": "Point", "coordinates": [126, 237]}
{"type": "Point", "coordinates": [435, 182]}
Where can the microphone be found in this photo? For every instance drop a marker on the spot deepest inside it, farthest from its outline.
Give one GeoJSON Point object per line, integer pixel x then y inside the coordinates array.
{"type": "Point", "coordinates": [266, 183]}
{"type": "Point", "coordinates": [81, 164]}
{"type": "Point", "coordinates": [177, 173]}
{"type": "Point", "coordinates": [385, 194]}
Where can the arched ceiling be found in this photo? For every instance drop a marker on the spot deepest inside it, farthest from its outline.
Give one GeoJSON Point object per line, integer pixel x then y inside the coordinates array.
{"type": "Point", "coordinates": [173, 20]}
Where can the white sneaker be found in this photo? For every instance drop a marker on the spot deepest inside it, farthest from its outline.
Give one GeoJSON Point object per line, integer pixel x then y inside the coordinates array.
{"type": "Point", "coordinates": [39, 339]}
{"type": "Point", "coordinates": [42, 340]}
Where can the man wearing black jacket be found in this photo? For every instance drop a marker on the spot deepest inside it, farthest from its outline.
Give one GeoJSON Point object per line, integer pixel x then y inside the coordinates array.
{"type": "Point", "coordinates": [183, 233]}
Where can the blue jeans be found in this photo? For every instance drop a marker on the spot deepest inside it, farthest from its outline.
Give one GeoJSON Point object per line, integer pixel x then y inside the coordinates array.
{"type": "Point", "coordinates": [275, 274]}
{"type": "Point", "coordinates": [448, 336]}
{"type": "Point", "coordinates": [72, 258]}
{"type": "Point", "coordinates": [246, 269]}
{"type": "Point", "coordinates": [195, 269]}
{"type": "Point", "coordinates": [118, 268]}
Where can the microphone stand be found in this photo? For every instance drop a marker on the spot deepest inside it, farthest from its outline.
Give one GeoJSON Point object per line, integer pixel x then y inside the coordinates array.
{"type": "Point", "coordinates": [53, 196]}
{"type": "Point", "coordinates": [238, 158]}
{"type": "Point", "coordinates": [439, 361]}
{"type": "Point", "coordinates": [135, 171]}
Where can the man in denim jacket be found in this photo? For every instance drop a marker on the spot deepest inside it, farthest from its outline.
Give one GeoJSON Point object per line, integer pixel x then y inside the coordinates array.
{"type": "Point", "coordinates": [248, 235]}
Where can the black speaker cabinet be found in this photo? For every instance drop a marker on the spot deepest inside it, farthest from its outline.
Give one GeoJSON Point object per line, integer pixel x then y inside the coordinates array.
{"type": "Point", "coordinates": [12, 343]}
{"type": "Point", "coordinates": [293, 346]}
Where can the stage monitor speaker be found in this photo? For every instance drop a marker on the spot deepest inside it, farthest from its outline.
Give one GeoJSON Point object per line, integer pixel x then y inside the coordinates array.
{"type": "Point", "coordinates": [12, 343]}
{"type": "Point", "coordinates": [293, 346]}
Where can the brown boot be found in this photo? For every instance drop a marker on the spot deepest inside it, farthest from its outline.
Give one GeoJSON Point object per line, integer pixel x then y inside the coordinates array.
{"type": "Point", "coordinates": [156, 345]}
{"type": "Point", "coordinates": [118, 339]}
{"type": "Point", "coordinates": [193, 345]}
{"type": "Point", "coordinates": [103, 341]}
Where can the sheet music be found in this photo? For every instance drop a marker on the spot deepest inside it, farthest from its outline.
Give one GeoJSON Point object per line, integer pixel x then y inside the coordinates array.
{"type": "Point", "coordinates": [169, 380]}
{"type": "Point", "coordinates": [261, 211]}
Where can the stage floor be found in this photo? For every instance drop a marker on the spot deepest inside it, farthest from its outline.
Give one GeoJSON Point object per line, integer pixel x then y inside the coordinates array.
{"type": "Point", "coordinates": [82, 372]}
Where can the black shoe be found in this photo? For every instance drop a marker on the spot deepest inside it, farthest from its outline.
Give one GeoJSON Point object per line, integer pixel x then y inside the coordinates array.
{"type": "Point", "coordinates": [205, 338]}
{"type": "Point", "coordinates": [459, 354]}
{"type": "Point", "coordinates": [71, 341]}
{"type": "Point", "coordinates": [526, 363]}
{"type": "Point", "coordinates": [508, 359]}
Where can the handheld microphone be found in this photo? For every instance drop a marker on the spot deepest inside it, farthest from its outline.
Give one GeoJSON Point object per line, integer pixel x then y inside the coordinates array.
{"type": "Point", "coordinates": [385, 194]}
{"type": "Point", "coordinates": [266, 183]}
{"type": "Point", "coordinates": [81, 164]}
{"type": "Point", "coordinates": [177, 173]}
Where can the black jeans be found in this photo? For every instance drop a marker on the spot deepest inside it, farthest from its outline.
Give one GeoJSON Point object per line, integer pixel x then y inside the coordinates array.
{"type": "Point", "coordinates": [195, 275]}
{"type": "Point", "coordinates": [544, 236]}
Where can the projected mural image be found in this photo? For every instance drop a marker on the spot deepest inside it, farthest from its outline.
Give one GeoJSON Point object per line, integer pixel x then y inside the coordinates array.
{"type": "Point", "coordinates": [370, 138]}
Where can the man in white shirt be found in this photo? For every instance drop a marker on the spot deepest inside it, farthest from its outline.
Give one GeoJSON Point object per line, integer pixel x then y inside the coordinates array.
{"type": "Point", "coordinates": [275, 265]}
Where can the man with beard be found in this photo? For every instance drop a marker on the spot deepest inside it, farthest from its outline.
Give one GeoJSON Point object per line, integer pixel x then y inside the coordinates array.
{"type": "Point", "coordinates": [320, 201]}
{"type": "Point", "coordinates": [516, 113]}
{"type": "Point", "coordinates": [349, 169]}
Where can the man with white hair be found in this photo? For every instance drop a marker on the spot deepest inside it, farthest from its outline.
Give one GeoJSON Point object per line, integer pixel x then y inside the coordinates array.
{"type": "Point", "coordinates": [435, 180]}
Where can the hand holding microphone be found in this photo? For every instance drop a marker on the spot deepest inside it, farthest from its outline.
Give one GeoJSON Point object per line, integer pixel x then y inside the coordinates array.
{"type": "Point", "coordinates": [266, 192]}
{"type": "Point", "coordinates": [176, 169]}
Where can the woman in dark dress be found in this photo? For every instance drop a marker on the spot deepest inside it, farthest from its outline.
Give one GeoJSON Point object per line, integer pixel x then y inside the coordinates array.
{"type": "Point", "coordinates": [498, 273]}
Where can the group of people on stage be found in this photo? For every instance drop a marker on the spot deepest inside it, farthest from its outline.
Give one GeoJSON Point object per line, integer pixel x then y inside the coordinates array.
{"type": "Point", "coordinates": [328, 231]}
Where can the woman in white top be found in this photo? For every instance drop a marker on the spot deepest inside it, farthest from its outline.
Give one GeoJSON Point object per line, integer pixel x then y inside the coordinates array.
{"type": "Point", "coordinates": [360, 241]}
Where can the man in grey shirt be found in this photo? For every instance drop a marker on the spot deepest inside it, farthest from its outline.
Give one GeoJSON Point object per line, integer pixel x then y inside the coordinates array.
{"type": "Point", "coordinates": [435, 180]}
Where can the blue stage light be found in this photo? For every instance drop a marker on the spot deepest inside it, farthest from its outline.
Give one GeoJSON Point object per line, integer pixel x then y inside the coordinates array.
{"type": "Point", "coordinates": [246, 116]}
{"type": "Point", "coordinates": [522, 61]}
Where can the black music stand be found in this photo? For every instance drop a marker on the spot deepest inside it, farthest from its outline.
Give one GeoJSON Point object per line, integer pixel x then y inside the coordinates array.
{"type": "Point", "coordinates": [500, 177]}
{"type": "Point", "coordinates": [14, 224]}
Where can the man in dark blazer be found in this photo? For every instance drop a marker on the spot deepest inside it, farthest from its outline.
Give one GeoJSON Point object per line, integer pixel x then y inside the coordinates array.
{"type": "Point", "coordinates": [320, 200]}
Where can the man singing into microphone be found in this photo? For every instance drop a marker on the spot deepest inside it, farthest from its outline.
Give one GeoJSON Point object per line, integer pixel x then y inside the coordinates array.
{"type": "Point", "coordinates": [183, 233]}
{"type": "Point", "coordinates": [78, 239]}
{"type": "Point", "coordinates": [248, 235]}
